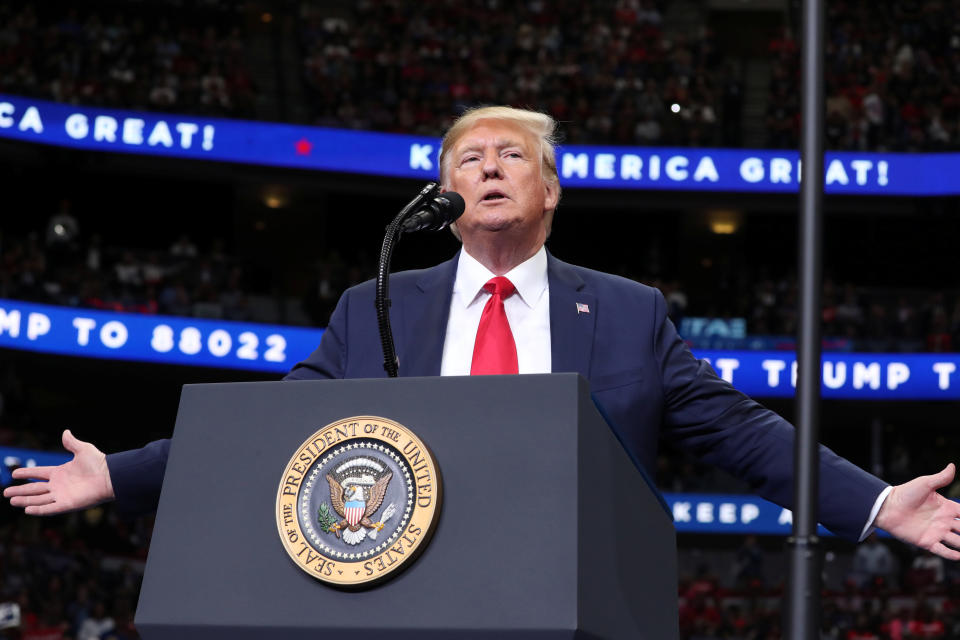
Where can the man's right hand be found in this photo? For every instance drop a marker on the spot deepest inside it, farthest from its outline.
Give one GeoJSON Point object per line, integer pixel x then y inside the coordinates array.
{"type": "Point", "coordinates": [83, 482]}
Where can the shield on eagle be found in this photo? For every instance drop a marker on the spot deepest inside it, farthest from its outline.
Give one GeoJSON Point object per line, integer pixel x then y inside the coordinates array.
{"type": "Point", "coordinates": [355, 505]}
{"type": "Point", "coordinates": [354, 512]}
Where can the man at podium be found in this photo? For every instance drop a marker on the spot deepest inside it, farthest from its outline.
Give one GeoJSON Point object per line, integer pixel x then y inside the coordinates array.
{"type": "Point", "coordinates": [505, 305]}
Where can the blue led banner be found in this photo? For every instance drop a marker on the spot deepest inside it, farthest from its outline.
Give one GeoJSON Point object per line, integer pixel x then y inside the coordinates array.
{"type": "Point", "coordinates": [861, 376]}
{"type": "Point", "coordinates": [692, 512]}
{"type": "Point", "coordinates": [166, 339]}
{"type": "Point", "coordinates": [406, 156]}
{"type": "Point", "coordinates": [276, 348]}
{"type": "Point", "coordinates": [719, 513]}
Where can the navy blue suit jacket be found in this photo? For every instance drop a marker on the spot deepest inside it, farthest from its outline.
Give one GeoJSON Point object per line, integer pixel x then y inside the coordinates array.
{"type": "Point", "coordinates": [641, 373]}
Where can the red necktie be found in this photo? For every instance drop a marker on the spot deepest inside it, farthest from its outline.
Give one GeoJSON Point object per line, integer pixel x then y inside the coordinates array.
{"type": "Point", "coordinates": [494, 351]}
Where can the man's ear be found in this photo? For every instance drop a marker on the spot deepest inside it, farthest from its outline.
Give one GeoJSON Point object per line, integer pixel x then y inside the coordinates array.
{"type": "Point", "coordinates": [552, 191]}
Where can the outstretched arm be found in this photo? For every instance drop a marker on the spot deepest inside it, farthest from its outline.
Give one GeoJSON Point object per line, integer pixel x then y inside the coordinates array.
{"type": "Point", "coordinates": [914, 512]}
{"type": "Point", "coordinates": [82, 482]}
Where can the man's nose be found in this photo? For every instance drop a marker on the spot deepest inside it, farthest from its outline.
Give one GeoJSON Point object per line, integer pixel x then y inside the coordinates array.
{"type": "Point", "coordinates": [491, 166]}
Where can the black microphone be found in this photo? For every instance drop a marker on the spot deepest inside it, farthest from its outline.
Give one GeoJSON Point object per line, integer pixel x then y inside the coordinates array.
{"type": "Point", "coordinates": [436, 214]}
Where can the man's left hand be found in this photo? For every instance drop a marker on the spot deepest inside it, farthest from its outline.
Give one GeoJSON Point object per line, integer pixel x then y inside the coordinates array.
{"type": "Point", "coordinates": [914, 512]}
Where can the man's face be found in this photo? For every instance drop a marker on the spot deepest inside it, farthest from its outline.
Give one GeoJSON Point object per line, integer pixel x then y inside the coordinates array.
{"type": "Point", "coordinates": [496, 167]}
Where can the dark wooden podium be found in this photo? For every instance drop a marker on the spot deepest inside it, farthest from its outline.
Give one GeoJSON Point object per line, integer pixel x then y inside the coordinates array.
{"type": "Point", "coordinates": [547, 529]}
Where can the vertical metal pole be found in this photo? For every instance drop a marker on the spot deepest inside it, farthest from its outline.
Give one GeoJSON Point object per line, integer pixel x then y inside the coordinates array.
{"type": "Point", "coordinates": [804, 593]}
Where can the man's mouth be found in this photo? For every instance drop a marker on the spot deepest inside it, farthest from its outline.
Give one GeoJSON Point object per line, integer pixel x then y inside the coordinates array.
{"type": "Point", "coordinates": [494, 195]}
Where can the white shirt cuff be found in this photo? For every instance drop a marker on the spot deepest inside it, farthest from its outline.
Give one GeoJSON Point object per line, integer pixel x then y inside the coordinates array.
{"type": "Point", "coordinates": [868, 527]}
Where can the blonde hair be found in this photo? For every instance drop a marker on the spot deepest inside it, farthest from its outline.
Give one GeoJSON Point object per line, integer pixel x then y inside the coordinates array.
{"type": "Point", "coordinates": [540, 125]}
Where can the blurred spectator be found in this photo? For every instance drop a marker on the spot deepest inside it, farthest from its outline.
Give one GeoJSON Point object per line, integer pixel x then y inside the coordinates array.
{"type": "Point", "coordinates": [677, 301]}
{"type": "Point", "coordinates": [873, 561]}
{"type": "Point", "coordinates": [896, 624]}
{"type": "Point", "coordinates": [926, 571]}
{"type": "Point", "coordinates": [128, 270]}
{"type": "Point", "coordinates": [849, 313]}
{"type": "Point", "coordinates": [183, 248]}
{"type": "Point", "coordinates": [938, 336]}
{"type": "Point", "coordinates": [748, 570]}
{"type": "Point", "coordinates": [925, 623]}
{"type": "Point", "coordinates": [94, 254]}
{"type": "Point", "coordinates": [98, 625]}
{"type": "Point", "coordinates": [864, 628]}
{"type": "Point", "coordinates": [233, 300]}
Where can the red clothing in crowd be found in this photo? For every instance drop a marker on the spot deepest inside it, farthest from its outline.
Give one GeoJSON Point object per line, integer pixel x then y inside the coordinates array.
{"type": "Point", "coordinates": [929, 629]}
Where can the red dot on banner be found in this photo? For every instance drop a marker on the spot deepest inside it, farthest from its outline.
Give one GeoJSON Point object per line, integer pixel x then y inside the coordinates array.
{"type": "Point", "coordinates": [303, 146]}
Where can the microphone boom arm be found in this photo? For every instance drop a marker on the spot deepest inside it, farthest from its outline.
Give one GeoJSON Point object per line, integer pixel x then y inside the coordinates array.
{"type": "Point", "coordinates": [391, 364]}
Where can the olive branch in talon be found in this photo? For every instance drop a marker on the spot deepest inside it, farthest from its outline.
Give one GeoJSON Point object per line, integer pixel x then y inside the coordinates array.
{"type": "Point", "coordinates": [326, 520]}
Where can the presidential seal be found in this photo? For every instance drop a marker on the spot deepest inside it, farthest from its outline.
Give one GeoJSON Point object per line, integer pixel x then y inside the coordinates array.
{"type": "Point", "coordinates": [358, 501]}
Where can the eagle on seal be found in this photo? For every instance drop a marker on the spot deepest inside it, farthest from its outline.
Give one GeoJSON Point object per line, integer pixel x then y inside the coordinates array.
{"type": "Point", "coordinates": [355, 505]}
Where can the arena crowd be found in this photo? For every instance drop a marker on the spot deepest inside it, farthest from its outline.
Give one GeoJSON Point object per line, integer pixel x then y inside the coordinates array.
{"type": "Point", "coordinates": [624, 72]}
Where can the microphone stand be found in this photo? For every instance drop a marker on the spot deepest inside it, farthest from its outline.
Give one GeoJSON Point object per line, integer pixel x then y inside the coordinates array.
{"type": "Point", "coordinates": [391, 363]}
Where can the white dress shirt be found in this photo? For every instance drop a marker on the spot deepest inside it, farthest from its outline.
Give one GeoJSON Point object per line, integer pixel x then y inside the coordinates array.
{"type": "Point", "coordinates": [528, 311]}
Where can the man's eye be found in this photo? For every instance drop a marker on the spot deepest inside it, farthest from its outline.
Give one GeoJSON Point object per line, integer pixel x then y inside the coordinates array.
{"type": "Point", "coordinates": [469, 159]}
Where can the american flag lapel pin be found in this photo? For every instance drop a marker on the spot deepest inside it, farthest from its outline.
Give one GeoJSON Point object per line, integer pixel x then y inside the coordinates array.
{"type": "Point", "coordinates": [582, 308]}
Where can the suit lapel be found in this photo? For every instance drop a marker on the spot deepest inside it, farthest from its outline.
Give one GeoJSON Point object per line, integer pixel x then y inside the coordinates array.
{"type": "Point", "coordinates": [424, 314]}
{"type": "Point", "coordinates": [572, 319]}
